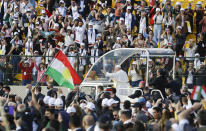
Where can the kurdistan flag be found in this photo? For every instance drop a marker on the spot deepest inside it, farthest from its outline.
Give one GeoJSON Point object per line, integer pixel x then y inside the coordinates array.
{"type": "Point", "coordinates": [62, 71]}
{"type": "Point", "coordinates": [198, 91]}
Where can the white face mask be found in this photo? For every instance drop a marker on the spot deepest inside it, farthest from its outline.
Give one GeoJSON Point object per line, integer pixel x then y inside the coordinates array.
{"type": "Point", "coordinates": [82, 105]}
{"type": "Point", "coordinates": [35, 92]}
{"type": "Point", "coordinates": [27, 91]}
{"type": "Point", "coordinates": [72, 35]}
{"type": "Point", "coordinates": [134, 111]}
{"type": "Point", "coordinates": [129, 36]}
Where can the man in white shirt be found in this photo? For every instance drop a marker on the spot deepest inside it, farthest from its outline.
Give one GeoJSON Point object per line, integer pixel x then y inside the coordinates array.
{"type": "Point", "coordinates": [44, 15]}
{"type": "Point", "coordinates": [69, 37]}
{"type": "Point", "coordinates": [62, 8]}
{"type": "Point", "coordinates": [119, 77]}
{"type": "Point", "coordinates": [190, 52]}
{"type": "Point", "coordinates": [83, 53]}
{"type": "Point", "coordinates": [29, 46]}
{"type": "Point", "coordinates": [128, 18]}
{"type": "Point", "coordinates": [79, 32]}
{"type": "Point", "coordinates": [142, 22]}
{"type": "Point", "coordinates": [117, 45]}
{"type": "Point", "coordinates": [91, 34]}
{"type": "Point", "coordinates": [158, 18]}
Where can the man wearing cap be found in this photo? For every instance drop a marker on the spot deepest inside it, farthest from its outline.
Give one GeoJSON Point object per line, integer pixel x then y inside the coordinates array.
{"type": "Point", "coordinates": [199, 15]}
{"type": "Point", "coordinates": [26, 70]}
{"type": "Point", "coordinates": [83, 53]}
{"type": "Point", "coordinates": [158, 19]}
{"type": "Point", "coordinates": [62, 113]}
{"type": "Point", "coordinates": [117, 44]}
{"type": "Point", "coordinates": [143, 22]}
{"type": "Point", "coordinates": [90, 110]}
{"type": "Point", "coordinates": [62, 9]}
{"type": "Point", "coordinates": [129, 18]}
{"type": "Point", "coordinates": [44, 15]}
{"type": "Point", "coordinates": [94, 52]}
{"type": "Point", "coordinates": [181, 20]}
{"type": "Point", "coordinates": [91, 34]}
{"type": "Point", "coordinates": [29, 46]}
{"type": "Point", "coordinates": [119, 77]}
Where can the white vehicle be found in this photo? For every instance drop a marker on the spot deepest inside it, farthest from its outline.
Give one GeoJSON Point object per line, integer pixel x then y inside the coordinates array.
{"type": "Point", "coordinates": [123, 56]}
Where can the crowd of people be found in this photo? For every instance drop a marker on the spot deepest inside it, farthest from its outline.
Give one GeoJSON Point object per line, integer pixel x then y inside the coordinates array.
{"type": "Point", "coordinates": [89, 29]}
{"type": "Point", "coordinates": [33, 30]}
{"type": "Point", "coordinates": [77, 111]}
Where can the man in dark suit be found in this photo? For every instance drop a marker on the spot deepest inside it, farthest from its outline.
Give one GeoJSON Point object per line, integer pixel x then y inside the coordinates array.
{"type": "Point", "coordinates": [114, 96]}
{"type": "Point", "coordinates": [74, 95]}
{"type": "Point", "coordinates": [51, 89]}
{"type": "Point", "coordinates": [88, 123]}
{"type": "Point", "coordinates": [202, 120]}
{"type": "Point", "coordinates": [75, 123]}
{"type": "Point", "coordinates": [38, 93]}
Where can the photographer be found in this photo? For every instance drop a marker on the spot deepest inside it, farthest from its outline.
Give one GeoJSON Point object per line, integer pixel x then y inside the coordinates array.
{"type": "Point", "coordinates": [26, 69]}
{"type": "Point", "coordinates": [74, 96]}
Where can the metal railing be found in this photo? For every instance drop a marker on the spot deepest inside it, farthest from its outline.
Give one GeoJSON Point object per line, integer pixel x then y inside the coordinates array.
{"type": "Point", "coordinates": [10, 72]}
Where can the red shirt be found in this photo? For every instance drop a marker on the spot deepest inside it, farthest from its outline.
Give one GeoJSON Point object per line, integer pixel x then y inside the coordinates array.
{"type": "Point", "coordinates": [26, 71]}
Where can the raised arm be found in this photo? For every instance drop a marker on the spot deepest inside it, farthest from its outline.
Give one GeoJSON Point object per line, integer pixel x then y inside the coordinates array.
{"type": "Point", "coordinates": [36, 104]}
{"type": "Point", "coordinates": [37, 68]}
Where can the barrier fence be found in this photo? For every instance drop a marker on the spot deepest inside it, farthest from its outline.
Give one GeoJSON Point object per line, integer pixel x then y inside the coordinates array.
{"type": "Point", "coordinates": [10, 72]}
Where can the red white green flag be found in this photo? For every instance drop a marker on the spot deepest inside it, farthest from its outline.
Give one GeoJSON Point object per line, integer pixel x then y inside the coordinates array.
{"type": "Point", "coordinates": [62, 71]}
{"type": "Point", "coordinates": [198, 91]}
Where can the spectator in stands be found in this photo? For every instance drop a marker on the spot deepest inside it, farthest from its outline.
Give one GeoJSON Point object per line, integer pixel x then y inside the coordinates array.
{"type": "Point", "coordinates": [134, 73]}
{"type": "Point", "coordinates": [41, 77]}
{"type": "Point", "coordinates": [189, 75]}
{"type": "Point", "coordinates": [180, 41]}
{"type": "Point", "coordinates": [158, 19]}
{"type": "Point", "coordinates": [201, 46]}
{"type": "Point", "coordinates": [26, 69]}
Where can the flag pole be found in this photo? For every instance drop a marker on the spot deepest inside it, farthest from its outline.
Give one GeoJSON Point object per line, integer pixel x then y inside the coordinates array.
{"type": "Point", "coordinates": [37, 84]}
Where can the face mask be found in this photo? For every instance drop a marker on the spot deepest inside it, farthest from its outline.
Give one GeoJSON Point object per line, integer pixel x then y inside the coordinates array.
{"type": "Point", "coordinates": [35, 93]}
{"type": "Point", "coordinates": [134, 111]}
{"type": "Point", "coordinates": [27, 91]}
{"type": "Point", "coordinates": [95, 47]}
{"type": "Point", "coordinates": [129, 36]}
{"type": "Point", "coordinates": [82, 105]}
{"type": "Point", "coordinates": [72, 35]}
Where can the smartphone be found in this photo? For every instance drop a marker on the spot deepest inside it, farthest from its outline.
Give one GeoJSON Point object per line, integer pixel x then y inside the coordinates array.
{"type": "Point", "coordinates": [11, 110]}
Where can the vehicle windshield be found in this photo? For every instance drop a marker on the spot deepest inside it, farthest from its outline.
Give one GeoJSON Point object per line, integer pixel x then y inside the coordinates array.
{"type": "Point", "coordinates": [107, 62]}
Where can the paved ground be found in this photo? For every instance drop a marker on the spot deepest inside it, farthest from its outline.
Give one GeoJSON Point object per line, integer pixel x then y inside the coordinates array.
{"type": "Point", "coordinates": [21, 90]}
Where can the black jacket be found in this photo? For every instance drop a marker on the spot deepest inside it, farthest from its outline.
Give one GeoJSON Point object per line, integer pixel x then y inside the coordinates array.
{"type": "Point", "coordinates": [160, 83]}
